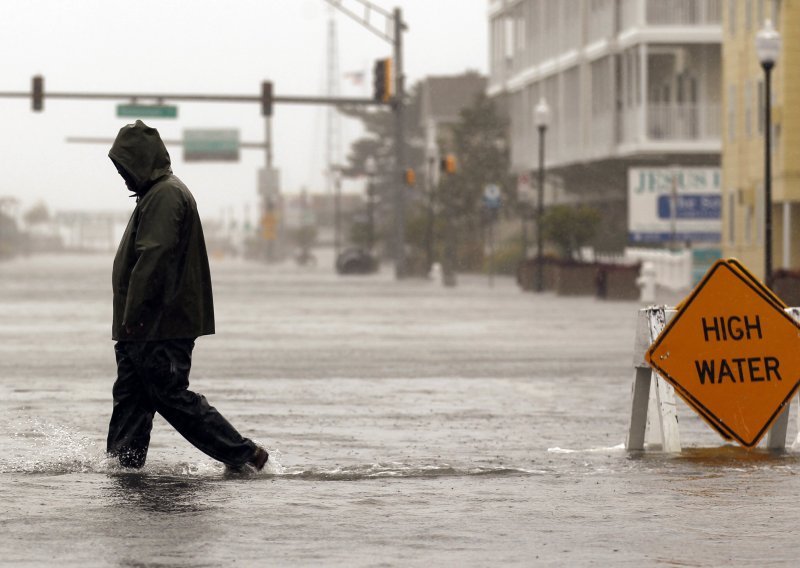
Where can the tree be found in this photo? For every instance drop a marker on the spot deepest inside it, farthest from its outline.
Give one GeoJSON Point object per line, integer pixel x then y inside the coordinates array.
{"type": "Point", "coordinates": [37, 214]}
{"type": "Point", "coordinates": [480, 143]}
{"type": "Point", "coordinates": [378, 143]}
{"type": "Point", "coordinates": [570, 227]}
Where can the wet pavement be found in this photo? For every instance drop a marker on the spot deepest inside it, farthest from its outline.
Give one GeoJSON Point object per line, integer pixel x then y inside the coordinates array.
{"type": "Point", "coordinates": [409, 424]}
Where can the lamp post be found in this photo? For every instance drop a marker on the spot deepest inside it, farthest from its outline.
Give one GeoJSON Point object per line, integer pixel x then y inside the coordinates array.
{"type": "Point", "coordinates": [541, 116]}
{"type": "Point", "coordinates": [768, 46]}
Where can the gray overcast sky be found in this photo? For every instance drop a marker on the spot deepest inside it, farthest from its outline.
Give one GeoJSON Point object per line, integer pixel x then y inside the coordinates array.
{"type": "Point", "coordinates": [201, 46]}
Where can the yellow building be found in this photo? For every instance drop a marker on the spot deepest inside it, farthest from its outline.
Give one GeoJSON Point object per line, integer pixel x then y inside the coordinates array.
{"type": "Point", "coordinates": [743, 200]}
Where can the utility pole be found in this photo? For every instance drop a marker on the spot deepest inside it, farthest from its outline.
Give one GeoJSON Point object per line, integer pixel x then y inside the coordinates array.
{"type": "Point", "coordinates": [391, 32]}
{"type": "Point", "coordinates": [400, 148]}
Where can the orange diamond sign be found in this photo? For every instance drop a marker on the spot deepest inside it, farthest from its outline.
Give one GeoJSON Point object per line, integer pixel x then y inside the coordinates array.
{"type": "Point", "coordinates": [731, 352]}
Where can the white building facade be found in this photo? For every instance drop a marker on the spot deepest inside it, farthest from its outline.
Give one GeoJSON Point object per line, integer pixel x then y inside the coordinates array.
{"type": "Point", "coordinates": [630, 83]}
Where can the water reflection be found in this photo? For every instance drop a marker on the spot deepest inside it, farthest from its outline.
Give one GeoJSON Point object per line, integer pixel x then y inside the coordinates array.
{"type": "Point", "coordinates": [717, 458]}
{"type": "Point", "coordinates": [159, 493]}
{"type": "Point", "coordinates": [735, 456]}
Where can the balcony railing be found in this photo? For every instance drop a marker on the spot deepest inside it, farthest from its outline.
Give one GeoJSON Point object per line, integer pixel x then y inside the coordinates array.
{"type": "Point", "coordinates": [675, 121]}
{"type": "Point", "coordinates": [684, 12]}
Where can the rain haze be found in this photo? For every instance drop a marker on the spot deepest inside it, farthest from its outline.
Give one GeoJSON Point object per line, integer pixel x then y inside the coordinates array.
{"type": "Point", "coordinates": [465, 357]}
{"type": "Point", "coordinates": [204, 47]}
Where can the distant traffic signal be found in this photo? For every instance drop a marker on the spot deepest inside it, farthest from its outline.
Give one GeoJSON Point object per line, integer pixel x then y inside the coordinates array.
{"type": "Point", "coordinates": [410, 177]}
{"type": "Point", "coordinates": [382, 80]}
{"type": "Point", "coordinates": [37, 93]}
{"type": "Point", "coordinates": [448, 164]}
{"type": "Point", "coordinates": [266, 98]}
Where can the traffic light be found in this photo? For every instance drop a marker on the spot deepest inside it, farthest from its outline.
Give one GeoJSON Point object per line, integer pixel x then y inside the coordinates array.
{"type": "Point", "coordinates": [266, 98]}
{"type": "Point", "coordinates": [37, 93]}
{"type": "Point", "coordinates": [448, 164]}
{"type": "Point", "coordinates": [382, 80]}
{"type": "Point", "coordinates": [410, 177]}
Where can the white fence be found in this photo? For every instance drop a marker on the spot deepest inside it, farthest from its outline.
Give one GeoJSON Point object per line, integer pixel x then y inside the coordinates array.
{"type": "Point", "coordinates": [673, 270]}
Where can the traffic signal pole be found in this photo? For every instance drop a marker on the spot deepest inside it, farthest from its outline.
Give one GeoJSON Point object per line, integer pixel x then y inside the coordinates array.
{"type": "Point", "coordinates": [190, 97]}
{"type": "Point", "coordinates": [400, 148]}
{"type": "Point", "coordinates": [391, 32]}
{"type": "Point", "coordinates": [362, 11]}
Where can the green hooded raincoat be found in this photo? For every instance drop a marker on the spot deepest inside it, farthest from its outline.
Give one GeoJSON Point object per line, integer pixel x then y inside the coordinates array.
{"type": "Point", "coordinates": [161, 279]}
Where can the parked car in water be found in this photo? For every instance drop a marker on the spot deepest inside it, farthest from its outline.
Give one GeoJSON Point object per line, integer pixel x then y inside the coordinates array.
{"type": "Point", "coordinates": [356, 260]}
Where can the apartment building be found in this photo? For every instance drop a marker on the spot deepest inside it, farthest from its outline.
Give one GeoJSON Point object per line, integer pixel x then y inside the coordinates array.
{"type": "Point", "coordinates": [743, 136]}
{"type": "Point", "coordinates": [630, 84]}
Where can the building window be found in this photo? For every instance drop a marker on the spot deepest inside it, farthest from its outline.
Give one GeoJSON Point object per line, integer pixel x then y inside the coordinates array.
{"type": "Point", "coordinates": [732, 16]}
{"type": "Point", "coordinates": [748, 109]}
{"type": "Point", "coordinates": [509, 38]}
{"type": "Point", "coordinates": [731, 113]}
{"type": "Point", "coordinates": [732, 217]}
{"type": "Point", "coordinates": [759, 214]}
{"type": "Point", "coordinates": [520, 31]}
{"type": "Point", "coordinates": [748, 225]}
{"type": "Point", "coordinates": [748, 15]}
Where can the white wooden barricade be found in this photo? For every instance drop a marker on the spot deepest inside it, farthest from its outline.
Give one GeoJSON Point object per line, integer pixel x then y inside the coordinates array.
{"type": "Point", "coordinates": [654, 417]}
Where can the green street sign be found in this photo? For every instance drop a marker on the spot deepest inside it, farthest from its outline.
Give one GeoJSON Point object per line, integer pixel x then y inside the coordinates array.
{"type": "Point", "coordinates": [147, 111]}
{"type": "Point", "coordinates": [216, 145]}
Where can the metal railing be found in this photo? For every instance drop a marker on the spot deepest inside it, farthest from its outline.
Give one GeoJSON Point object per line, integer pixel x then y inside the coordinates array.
{"type": "Point", "coordinates": [683, 12]}
{"type": "Point", "coordinates": [673, 121]}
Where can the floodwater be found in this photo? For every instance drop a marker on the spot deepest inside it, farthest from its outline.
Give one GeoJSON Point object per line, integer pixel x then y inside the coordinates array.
{"type": "Point", "coordinates": [409, 425]}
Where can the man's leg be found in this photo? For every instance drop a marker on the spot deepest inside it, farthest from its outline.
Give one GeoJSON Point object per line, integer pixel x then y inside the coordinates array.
{"type": "Point", "coordinates": [132, 417]}
{"type": "Point", "coordinates": [166, 367]}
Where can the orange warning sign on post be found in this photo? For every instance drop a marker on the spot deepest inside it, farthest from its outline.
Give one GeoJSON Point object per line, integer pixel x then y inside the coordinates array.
{"type": "Point", "coordinates": [731, 353]}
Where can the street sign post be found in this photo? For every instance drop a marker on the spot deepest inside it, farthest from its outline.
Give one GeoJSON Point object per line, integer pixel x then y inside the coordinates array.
{"type": "Point", "coordinates": [730, 352]}
{"type": "Point", "coordinates": [492, 199]}
{"type": "Point", "coordinates": [525, 191]}
{"type": "Point", "coordinates": [147, 111]}
{"type": "Point", "coordinates": [492, 196]}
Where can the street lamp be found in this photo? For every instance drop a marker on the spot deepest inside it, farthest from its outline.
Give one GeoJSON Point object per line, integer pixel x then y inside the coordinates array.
{"type": "Point", "coordinates": [541, 115]}
{"type": "Point", "coordinates": [768, 46]}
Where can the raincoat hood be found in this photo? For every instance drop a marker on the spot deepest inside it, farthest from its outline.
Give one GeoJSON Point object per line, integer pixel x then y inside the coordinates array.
{"type": "Point", "coordinates": [140, 156]}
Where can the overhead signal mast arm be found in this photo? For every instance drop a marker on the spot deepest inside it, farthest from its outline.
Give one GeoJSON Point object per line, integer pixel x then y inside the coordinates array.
{"type": "Point", "coordinates": [350, 9]}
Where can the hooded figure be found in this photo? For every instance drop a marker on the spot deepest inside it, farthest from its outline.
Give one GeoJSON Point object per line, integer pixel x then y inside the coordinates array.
{"type": "Point", "coordinates": [161, 279]}
{"type": "Point", "coordinates": [162, 303]}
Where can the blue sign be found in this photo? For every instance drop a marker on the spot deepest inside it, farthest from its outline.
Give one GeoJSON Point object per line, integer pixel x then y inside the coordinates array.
{"type": "Point", "coordinates": [690, 206]}
{"type": "Point", "coordinates": [680, 236]}
{"type": "Point", "coordinates": [492, 198]}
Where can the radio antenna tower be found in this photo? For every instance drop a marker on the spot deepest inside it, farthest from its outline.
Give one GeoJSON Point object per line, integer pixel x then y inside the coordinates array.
{"type": "Point", "coordinates": [333, 135]}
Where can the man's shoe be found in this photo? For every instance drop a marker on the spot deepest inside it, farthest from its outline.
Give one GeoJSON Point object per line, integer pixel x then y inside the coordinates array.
{"type": "Point", "coordinates": [259, 459]}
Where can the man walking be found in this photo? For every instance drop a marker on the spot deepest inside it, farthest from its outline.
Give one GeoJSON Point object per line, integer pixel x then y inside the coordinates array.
{"type": "Point", "coordinates": [162, 303]}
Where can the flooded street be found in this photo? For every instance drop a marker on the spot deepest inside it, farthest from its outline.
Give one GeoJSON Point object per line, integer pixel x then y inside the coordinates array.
{"type": "Point", "coordinates": [408, 424]}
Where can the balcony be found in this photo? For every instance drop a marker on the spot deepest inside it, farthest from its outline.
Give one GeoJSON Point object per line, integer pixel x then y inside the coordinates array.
{"type": "Point", "coordinates": [684, 12]}
{"type": "Point", "coordinates": [674, 121]}
{"type": "Point", "coordinates": [659, 13]}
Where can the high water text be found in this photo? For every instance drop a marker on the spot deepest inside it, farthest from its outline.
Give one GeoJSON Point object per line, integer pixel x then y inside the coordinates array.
{"type": "Point", "coordinates": [735, 369]}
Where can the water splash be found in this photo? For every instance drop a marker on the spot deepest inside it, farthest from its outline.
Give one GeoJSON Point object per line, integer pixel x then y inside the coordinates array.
{"type": "Point", "coordinates": [45, 447]}
{"type": "Point", "coordinates": [403, 470]}
{"type": "Point", "coordinates": [558, 450]}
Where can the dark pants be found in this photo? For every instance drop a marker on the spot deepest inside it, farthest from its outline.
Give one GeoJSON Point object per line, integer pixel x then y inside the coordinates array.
{"type": "Point", "coordinates": [153, 376]}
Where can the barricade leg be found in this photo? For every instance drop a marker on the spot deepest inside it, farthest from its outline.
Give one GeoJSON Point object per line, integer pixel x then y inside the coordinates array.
{"type": "Point", "coordinates": [667, 416]}
{"type": "Point", "coordinates": [776, 437]}
{"type": "Point", "coordinates": [639, 403]}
